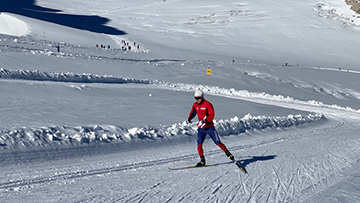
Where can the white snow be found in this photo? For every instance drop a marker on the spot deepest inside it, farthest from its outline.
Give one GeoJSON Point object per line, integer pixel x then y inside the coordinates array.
{"type": "Point", "coordinates": [92, 124]}
{"type": "Point", "coordinates": [77, 135]}
{"type": "Point", "coordinates": [10, 25]}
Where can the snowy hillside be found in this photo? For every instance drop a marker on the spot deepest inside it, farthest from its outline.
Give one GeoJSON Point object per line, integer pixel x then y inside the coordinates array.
{"type": "Point", "coordinates": [95, 96]}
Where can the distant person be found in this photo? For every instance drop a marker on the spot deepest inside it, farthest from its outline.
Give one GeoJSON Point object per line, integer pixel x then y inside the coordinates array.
{"type": "Point", "coordinates": [58, 48]}
{"type": "Point", "coordinates": [205, 112]}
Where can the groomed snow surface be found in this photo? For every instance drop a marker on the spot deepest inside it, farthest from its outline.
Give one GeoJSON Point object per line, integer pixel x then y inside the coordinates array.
{"type": "Point", "coordinates": [85, 123]}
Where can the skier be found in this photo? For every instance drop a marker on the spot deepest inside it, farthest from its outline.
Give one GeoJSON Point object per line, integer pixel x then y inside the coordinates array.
{"type": "Point", "coordinates": [205, 113]}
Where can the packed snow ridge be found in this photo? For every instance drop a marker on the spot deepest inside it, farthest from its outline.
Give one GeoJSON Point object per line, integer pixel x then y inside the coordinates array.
{"type": "Point", "coordinates": [65, 77]}
{"type": "Point", "coordinates": [55, 136]}
{"type": "Point", "coordinates": [233, 93]}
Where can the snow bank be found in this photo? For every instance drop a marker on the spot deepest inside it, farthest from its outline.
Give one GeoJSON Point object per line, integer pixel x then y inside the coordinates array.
{"type": "Point", "coordinates": [12, 26]}
{"type": "Point", "coordinates": [65, 77]}
{"type": "Point", "coordinates": [233, 93]}
{"type": "Point", "coordinates": [81, 135]}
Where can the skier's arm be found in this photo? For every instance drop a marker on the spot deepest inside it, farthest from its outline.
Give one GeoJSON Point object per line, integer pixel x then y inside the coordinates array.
{"type": "Point", "coordinates": [192, 114]}
{"type": "Point", "coordinates": [210, 113]}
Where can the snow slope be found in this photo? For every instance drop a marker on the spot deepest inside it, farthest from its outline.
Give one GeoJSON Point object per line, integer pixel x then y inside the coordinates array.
{"type": "Point", "coordinates": [12, 26]}
{"type": "Point", "coordinates": [90, 124]}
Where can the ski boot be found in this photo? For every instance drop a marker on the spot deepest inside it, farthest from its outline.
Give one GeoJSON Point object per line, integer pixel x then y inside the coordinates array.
{"type": "Point", "coordinates": [202, 162]}
{"type": "Point", "coordinates": [230, 156]}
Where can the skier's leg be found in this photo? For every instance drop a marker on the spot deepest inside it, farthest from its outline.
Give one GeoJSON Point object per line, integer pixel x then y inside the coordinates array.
{"type": "Point", "coordinates": [200, 150]}
{"type": "Point", "coordinates": [222, 146]}
{"type": "Point", "coordinates": [215, 137]}
{"type": "Point", "coordinates": [200, 141]}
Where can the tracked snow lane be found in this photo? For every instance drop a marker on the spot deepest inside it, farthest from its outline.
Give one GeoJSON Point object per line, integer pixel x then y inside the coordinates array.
{"type": "Point", "coordinates": [283, 166]}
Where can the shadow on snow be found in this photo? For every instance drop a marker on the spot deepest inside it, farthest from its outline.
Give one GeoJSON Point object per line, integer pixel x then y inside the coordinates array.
{"type": "Point", "coordinates": [245, 162]}
{"type": "Point", "coordinates": [29, 8]}
{"type": "Point", "coordinates": [253, 159]}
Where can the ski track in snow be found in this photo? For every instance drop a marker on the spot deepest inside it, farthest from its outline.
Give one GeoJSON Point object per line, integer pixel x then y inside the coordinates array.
{"type": "Point", "coordinates": [270, 185]}
{"type": "Point", "coordinates": [122, 168]}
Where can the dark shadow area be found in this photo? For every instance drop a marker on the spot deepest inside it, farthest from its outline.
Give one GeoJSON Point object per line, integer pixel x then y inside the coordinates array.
{"type": "Point", "coordinates": [29, 8]}
{"type": "Point", "coordinates": [245, 162]}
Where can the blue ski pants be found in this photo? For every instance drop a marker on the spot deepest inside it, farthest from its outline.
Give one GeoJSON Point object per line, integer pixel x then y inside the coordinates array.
{"type": "Point", "coordinates": [210, 131]}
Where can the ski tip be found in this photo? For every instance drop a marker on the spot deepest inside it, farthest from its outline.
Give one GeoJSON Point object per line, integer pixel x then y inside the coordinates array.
{"type": "Point", "coordinates": [242, 169]}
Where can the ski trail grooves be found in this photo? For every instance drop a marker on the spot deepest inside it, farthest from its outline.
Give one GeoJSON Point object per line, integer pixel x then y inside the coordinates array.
{"type": "Point", "coordinates": [123, 168]}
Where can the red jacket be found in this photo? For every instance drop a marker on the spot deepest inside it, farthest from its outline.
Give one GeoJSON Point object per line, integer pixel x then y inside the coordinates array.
{"type": "Point", "coordinates": [205, 112]}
